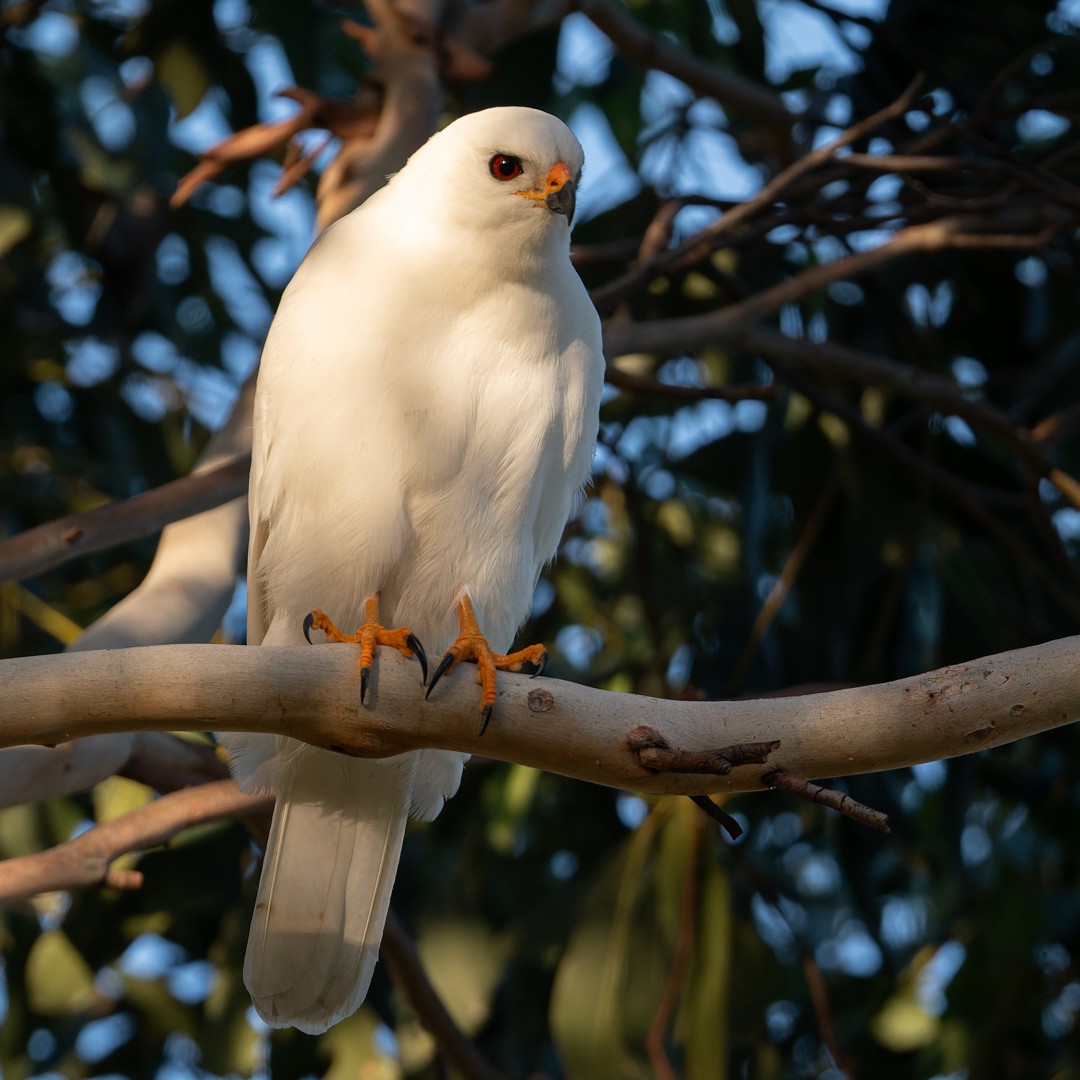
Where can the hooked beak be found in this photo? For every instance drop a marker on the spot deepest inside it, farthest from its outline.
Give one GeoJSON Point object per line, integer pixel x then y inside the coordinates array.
{"type": "Point", "coordinates": [559, 193]}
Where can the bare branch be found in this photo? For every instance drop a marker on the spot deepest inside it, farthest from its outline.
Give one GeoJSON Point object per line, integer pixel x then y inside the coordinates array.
{"type": "Point", "coordinates": [312, 694]}
{"type": "Point", "coordinates": [697, 331]}
{"type": "Point", "coordinates": [651, 50]}
{"type": "Point", "coordinates": [408, 972]}
{"type": "Point", "coordinates": [631, 383]}
{"type": "Point", "coordinates": [701, 244]}
{"type": "Point", "coordinates": [837, 800]}
{"type": "Point", "coordinates": [86, 860]}
{"type": "Point", "coordinates": [50, 545]}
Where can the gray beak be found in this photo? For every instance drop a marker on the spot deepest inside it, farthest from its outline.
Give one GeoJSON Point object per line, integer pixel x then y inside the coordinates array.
{"type": "Point", "coordinates": [563, 200]}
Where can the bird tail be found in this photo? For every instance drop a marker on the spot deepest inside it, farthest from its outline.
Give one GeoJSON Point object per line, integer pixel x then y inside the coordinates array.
{"type": "Point", "coordinates": [325, 888]}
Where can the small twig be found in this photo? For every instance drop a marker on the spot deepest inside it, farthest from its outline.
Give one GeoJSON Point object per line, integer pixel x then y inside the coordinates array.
{"type": "Point", "coordinates": [656, 753]}
{"type": "Point", "coordinates": [408, 973]}
{"type": "Point", "coordinates": [779, 780]}
{"type": "Point", "coordinates": [721, 817]}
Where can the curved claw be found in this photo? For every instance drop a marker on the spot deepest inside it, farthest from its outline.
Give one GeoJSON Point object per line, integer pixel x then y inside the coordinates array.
{"type": "Point", "coordinates": [414, 643]}
{"type": "Point", "coordinates": [445, 664]}
{"type": "Point", "coordinates": [364, 673]}
{"type": "Point", "coordinates": [485, 718]}
{"type": "Point", "coordinates": [309, 619]}
{"type": "Point", "coordinates": [541, 665]}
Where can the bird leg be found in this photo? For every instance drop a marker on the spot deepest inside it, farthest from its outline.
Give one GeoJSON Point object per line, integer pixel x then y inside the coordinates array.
{"type": "Point", "coordinates": [368, 635]}
{"type": "Point", "coordinates": [472, 647]}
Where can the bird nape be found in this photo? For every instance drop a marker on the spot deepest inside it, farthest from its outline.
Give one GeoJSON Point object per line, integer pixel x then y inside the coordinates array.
{"type": "Point", "coordinates": [426, 411]}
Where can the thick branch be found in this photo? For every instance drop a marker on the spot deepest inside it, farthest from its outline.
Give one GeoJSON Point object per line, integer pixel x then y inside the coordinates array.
{"type": "Point", "coordinates": [311, 694]}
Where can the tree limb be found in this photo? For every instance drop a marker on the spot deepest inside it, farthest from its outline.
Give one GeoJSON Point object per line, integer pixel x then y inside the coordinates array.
{"type": "Point", "coordinates": [87, 859]}
{"type": "Point", "coordinates": [652, 50]}
{"type": "Point", "coordinates": [50, 545]}
{"type": "Point", "coordinates": [312, 694]}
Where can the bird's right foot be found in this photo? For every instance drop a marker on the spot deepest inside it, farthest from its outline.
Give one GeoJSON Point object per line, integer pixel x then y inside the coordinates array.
{"type": "Point", "coordinates": [369, 634]}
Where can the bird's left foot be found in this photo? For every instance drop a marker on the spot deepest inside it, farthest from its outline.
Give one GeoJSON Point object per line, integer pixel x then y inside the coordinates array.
{"type": "Point", "coordinates": [472, 647]}
{"type": "Point", "coordinates": [369, 634]}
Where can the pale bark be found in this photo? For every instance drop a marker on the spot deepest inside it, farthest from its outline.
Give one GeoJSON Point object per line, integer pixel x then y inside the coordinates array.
{"type": "Point", "coordinates": [311, 694]}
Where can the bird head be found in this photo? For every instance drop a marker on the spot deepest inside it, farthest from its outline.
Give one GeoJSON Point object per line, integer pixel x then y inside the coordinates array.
{"type": "Point", "coordinates": [509, 169]}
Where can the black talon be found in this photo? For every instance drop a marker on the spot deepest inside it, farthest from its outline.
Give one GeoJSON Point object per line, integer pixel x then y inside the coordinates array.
{"type": "Point", "coordinates": [414, 643]}
{"type": "Point", "coordinates": [541, 665]}
{"type": "Point", "coordinates": [444, 666]}
{"type": "Point", "coordinates": [309, 619]}
{"type": "Point", "coordinates": [485, 718]}
{"type": "Point", "coordinates": [364, 673]}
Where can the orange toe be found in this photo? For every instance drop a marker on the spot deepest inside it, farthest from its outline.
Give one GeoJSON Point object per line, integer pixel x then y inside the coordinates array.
{"type": "Point", "coordinates": [370, 634]}
{"type": "Point", "coordinates": [471, 647]}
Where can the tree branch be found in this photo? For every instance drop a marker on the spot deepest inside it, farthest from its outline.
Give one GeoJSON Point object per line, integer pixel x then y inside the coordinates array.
{"type": "Point", "coordinates": [312, 694]}
{"type": "Point", "coordinates": [54, 543]}
{"type": "Point", "coordinates": [407, 970]}
{"type": "Point", "coordinates": [652, 50]}
{"type": "Point", "coordinates": [87, 859]}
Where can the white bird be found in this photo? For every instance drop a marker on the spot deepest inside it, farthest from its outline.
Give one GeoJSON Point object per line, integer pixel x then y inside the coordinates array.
{"type": "Point", "coordinates": [425, 417]}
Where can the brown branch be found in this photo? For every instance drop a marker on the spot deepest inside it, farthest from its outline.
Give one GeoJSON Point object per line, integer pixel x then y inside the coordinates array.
{"type": "Point", "coordinates": [811, 969]}
{"type": "Point", "coordinates": [86, 860]}
{"type": "Point", "coordinates": [697, 331]}
{"type": "Point", "coordinates": [701, 244]}
{"type": "Point", "coordinates": [719, 815]}
{"type": "Point", "coordinates": [408, 973]}
{"type": "Point", "coordinates": [652, 50]}
{"type": "Point", "coordinates": [654, 1037]}
{"type": "Point", "coordinates": [641, 384]}
{"type": "Point", "coordinates": [784, 582]}
{"type": "Point", "coordinates": [166, 762]}
{"type": "Point", "coordinates": [54, 543]}
{"type": "Point", "coordinates": [836, 800]}
{"type": "Point", "coordinates": [972, 502]}
{"type": "Point", "coordinates": [656, 753]}
{"type": "Point", "coordinates": [407, 70]}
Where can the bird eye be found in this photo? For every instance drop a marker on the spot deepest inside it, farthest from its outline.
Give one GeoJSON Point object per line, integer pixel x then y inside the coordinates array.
{"type": "Point", "coordinates": [504, 167]}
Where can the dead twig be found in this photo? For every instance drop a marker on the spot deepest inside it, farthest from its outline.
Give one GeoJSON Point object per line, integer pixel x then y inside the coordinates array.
{"type": "Point", "coordinates": [655, 752]}
{"type": "Point", "coordinates": [779, 780]}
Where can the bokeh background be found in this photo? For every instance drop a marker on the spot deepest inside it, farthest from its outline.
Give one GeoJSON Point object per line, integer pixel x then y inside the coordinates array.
{"type": "Point", "coordinates": [861, 478]}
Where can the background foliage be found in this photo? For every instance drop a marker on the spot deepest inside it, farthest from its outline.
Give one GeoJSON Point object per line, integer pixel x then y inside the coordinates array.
{"type": "Point", "coordinates": [902, 530]}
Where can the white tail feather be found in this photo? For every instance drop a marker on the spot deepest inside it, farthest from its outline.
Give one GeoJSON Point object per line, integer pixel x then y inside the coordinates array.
{"type": "Point", "coordinates": [325, 888]}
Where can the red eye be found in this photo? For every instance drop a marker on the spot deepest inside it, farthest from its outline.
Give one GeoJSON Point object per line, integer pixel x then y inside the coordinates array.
{"type": "Point", "coordinates": [504, 167]}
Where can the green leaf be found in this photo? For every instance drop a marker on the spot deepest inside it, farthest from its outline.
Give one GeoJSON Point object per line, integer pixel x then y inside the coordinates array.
{"type": "Point", "coordinates": [58, 980]}
{"type": "Point", "coordinates": [16, 224]}
{"type": "Point", "coordinates": [708, 985]}
{"type": "Point", "coordinates": [184, 76]}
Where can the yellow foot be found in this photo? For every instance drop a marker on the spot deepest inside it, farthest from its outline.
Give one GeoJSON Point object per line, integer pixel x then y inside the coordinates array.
{"type": "Point", "coordinates": [369, 635]}
{"type": "Point", "coordinates": [472, 647]}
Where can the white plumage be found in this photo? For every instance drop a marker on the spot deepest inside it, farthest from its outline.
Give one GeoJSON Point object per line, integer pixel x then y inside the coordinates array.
{"type": "Point", "coordinates": [425, 418]}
